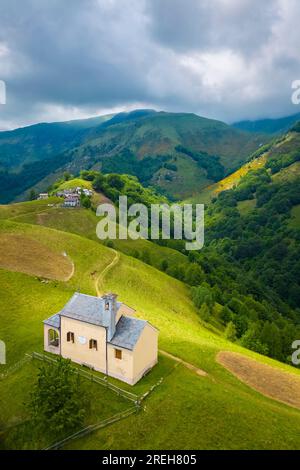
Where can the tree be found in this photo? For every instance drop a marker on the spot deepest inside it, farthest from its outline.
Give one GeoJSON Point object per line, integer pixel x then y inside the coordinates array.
{"type": "Point", "coordinates": [204, 312]}
{"type": "Point", "coordinates": [294, 295]}
{"type": "Point", "coordinates": [88, 175]}
{"type": "Point", "coordinates": [288, 335]}
{"type": "Point", "coordinates": [230, 332]}
{"type": "Point", "coordinates": [203, 294]}
{"type": "Point", "coordinates": [270, 335]}
{"type": "Point", "coordinates": [241, 324]}
{"type": "Point", "coordinates": [250, 340]}
{"type": "Point", "coordinates": [85, 201]}
{"type": "Point", "coordinates": [32, 195]}
{"type": "Point", "coordinates": [146, 257]}
{"type": "Point", "coordinates": [164, 265]}
{"type": "Point", "coordinates": [176, 271]}
{"type": "Point", "coordinates": [226, 315]}
{"type": "Point", "coordinates": [57, 403]}
{"type": "Point", "coordinates": [115, 181]}
{"type": "Point", "coordinates": [194, 275]}
{"type": "Point", "coordinates": [67, 176]}
{"type": "Point", "coordinates": [99, 183]}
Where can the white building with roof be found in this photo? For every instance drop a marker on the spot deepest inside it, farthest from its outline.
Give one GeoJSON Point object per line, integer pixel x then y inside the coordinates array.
{"type": "Point", "coordinates": [103, 334]}
{"type": "Point", "coordinates": [43, 196]}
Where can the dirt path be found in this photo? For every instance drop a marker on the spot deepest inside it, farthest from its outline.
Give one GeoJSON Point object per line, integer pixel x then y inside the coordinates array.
{"type": "Point", "coordinates": [189, 366]}
{"type": "Point", "coordinates": [67, 278]}
{"type": "Point", "coordinates": [274, 383]}
{"type": "Point", "coordinates": [98, 286]}
{"type": "Point", "coordinates": [22, 214]}
{"type": "Point", "coordinates": [99, 280]}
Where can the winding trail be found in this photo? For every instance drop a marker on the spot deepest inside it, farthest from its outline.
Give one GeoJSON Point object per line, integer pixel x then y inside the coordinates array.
{"type": "Point", "coordinates": [99, 280]}
{"type": "Point", "coordinates": [189, 366]}
{"type": "Point", "coordinates": [67, 278]}
{"type": "Point", "coordinates": [98, 287]}
{"type": "Point", "coordinates": [22, 214]}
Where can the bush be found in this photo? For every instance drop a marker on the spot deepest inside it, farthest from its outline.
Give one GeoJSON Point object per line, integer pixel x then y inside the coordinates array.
{"type": "Point", "coordinates": [85, 201]}
{"type": "Point", "coordinates": [226, 315]}
{"type": "Point", "coordinates": [99, 183]}
{"type": "Point", "coordinates": [250, 340]}
{"type": "Point", "coordinates": [164, 265]}
{"type": "Point", "coordinates": [205, 312]}
{"type": "Point", "coordinates": [203, 294]}
{"type": "Point", "coordinates": [194, 275]}
{"type": "Point", "coordinates": [230, 332]}
{"type": "Point", "coordinates": [115, 181]}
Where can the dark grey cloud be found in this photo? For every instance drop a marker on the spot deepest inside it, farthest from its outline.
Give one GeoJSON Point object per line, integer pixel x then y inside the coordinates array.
{"type": "Point", "coordinates": [228, 59]}
{"type": "Point", "coordinates": [242, 25]}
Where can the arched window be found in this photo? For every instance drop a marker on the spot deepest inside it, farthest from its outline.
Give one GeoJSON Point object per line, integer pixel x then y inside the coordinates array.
{"type": "Point", "coordinates": [53, 338]}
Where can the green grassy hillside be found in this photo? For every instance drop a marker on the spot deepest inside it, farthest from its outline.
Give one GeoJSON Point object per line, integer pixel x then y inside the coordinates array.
{"type": "Point", "coordinates": [186, 410]}
{"type": "Point", "coordinates": [212, 191]}
{"type": "Point", "coordinates": [150, 149]}
{"type": "Point", "coordinates": [280, 158]}
{"type": "Point", "coordinates": [83, 222]}
{"type": "Point", "coordinates": [141, 143]}
{"type": "Point", "coordinates": [43, 141]}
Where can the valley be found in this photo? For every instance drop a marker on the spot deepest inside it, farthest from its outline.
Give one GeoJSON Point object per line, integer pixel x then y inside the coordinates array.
{"type": "Point", "coordinates": [48, 252]}
{"type": "Point", "coordinates": [143, 143]}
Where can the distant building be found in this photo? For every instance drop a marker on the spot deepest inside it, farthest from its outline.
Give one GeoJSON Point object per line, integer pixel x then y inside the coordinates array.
{"type": "Point", "coordinates": [101, 333]}
{"type": "Point", "coordinates": [87, 192]}
{"type": "Point", "coordinates": [72, 196]}
{"type": "Point", "coordinates": [43, 196]}
{"type": "Point", "coordinates": [72, 201]}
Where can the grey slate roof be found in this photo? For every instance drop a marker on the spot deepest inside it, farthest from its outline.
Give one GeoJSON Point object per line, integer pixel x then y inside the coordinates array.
{"type": "Point", "coordinates": [128, 331]}
{"type": "Point", "coordinates": [53, 321]}
{"type": "Point", "coordinates": [87, 308]}
{"type": "Point", "coordinates": [90, 309]}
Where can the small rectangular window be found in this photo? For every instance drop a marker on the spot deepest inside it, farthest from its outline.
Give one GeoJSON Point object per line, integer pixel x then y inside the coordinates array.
{"type": "Point", "coordinates": [118, 354]}
{"type": "Point", "coordinates": [70, 337]}
{"type": "Point", "coordinates": [93, 344]}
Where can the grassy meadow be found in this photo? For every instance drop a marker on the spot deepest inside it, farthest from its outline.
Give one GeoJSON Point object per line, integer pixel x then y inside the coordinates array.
{"type": "Point", "coordinates": [186, 411]}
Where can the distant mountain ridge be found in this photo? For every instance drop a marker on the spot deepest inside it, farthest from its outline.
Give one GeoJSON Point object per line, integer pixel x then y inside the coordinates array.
{"type": "Point", "coordinates": [42, 141]}
{"type": "Point", "coordinates": [175, 152]}
{"type": "Point", "coordinates": [268, 126]}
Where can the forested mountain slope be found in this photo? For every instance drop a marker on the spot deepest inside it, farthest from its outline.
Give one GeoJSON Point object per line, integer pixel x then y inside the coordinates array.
{"type": "Point", "coordinates": [176, 152]}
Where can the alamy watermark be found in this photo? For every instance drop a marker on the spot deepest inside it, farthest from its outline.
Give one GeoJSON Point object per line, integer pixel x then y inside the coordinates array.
{"type": "Point", "coordinates": [2, 92]}
{"type": "Point", "coordinates": [296, 93]}
{"type": "Point", "coordinates": [160, 221]}
{"type": "Point", "coordinates": [2, 352]}
{"type": "Point", "coordinates": [296, 353]}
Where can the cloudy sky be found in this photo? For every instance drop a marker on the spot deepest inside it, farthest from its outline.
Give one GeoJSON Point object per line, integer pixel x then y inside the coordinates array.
{"type": "Point", "coordinates": [225, 59]}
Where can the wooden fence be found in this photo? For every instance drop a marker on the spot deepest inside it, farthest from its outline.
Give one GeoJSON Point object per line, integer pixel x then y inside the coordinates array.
{"type": "Point", "coordinates": [15, 367]}
{"type": "Point", "coordinates": [94, 427]}
{"type": "Point", "coordinates": [137, 400]}
{"type": "Point", "coordinates": [93, 378]}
